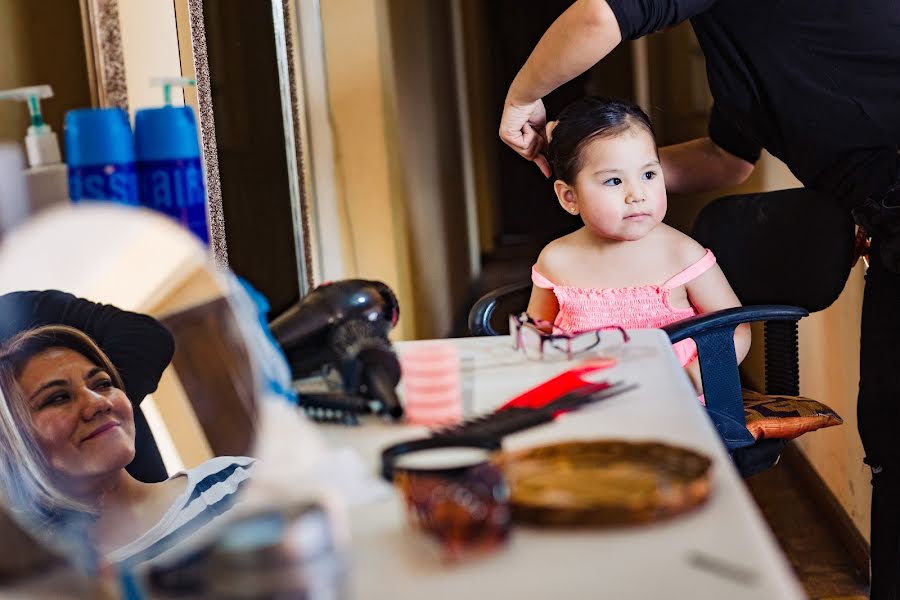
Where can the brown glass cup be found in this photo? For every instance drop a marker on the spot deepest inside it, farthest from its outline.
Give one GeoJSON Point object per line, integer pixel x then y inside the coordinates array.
{"type": "Point", "coordinates": [455, 495]}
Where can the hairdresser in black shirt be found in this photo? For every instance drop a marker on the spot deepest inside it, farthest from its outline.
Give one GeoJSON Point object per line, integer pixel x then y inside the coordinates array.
{"type": "Point", "coordinates": [817, 84]}
{"type": "Point", "coordinates": [138, 345]}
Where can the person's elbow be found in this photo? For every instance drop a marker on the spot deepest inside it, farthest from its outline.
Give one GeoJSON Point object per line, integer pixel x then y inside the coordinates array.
{"type": "Point", "coordinates": [740, 170]}
{"type": "Point", "coordinates": [595, 20]}
{"type": "Point", "coordinates": [593, 13]}
{"type": "Point", "coordinates": [733, 171]}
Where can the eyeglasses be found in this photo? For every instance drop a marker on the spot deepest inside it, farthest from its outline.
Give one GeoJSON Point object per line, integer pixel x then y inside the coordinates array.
{"type": "Point", "coordinates": [529, 336]}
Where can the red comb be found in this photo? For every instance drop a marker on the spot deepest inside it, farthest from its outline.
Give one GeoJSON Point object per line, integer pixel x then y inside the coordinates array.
{"type": "Point", "coordinates": [562, 384]}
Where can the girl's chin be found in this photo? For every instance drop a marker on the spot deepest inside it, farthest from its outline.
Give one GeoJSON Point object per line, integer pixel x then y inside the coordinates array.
{"type": "Point", "coordinates": [631, 237]}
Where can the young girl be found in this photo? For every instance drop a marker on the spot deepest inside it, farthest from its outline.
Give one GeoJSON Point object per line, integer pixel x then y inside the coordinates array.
{"type": "Point", "coordinates": [625, 266]}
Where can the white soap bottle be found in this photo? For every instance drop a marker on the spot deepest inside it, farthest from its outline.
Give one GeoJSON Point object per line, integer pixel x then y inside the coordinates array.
{"type": "Point", "coordinates": [46, 179]}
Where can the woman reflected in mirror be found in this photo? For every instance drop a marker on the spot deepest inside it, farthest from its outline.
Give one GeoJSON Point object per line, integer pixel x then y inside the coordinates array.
{"type": "Point", "coordinates": [66, 435]}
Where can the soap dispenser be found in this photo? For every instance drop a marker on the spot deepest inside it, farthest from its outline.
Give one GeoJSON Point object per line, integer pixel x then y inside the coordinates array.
{"type": "Point", "coordinates": [170, 172]}
{"type": "Point", "coordinates": [46, 178]}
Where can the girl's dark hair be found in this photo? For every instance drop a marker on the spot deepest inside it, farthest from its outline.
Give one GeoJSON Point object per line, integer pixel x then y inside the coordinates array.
{"type": "Point", "coordinates": [584, 121]}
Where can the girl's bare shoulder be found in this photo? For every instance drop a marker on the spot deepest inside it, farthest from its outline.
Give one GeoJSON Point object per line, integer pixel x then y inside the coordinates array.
{"type": "Point", "coordinates": [682, 248]}
{"type": "Point", "coordinates": [558, 256]}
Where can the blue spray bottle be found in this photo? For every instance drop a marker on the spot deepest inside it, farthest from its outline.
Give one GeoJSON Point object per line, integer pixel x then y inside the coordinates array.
{"type": "Point", "coordinates": [100, 153]}
{"type": "Point", "coordinates": [170, 172]}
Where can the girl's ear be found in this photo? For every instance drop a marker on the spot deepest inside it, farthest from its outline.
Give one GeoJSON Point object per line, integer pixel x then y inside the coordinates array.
{"type": "Point", "coordinates": [566, 196]}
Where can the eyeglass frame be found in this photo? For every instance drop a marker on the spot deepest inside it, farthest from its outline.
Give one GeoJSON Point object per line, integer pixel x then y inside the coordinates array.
{"type": "Point", "coordinates": [524, 319]}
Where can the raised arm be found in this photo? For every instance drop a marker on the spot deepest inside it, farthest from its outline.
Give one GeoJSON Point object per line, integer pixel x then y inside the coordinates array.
{"type": "Point", "coordinates": [577, 40]}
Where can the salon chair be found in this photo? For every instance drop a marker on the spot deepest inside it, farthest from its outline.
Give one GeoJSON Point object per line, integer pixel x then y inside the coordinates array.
{"type": "Point", "coordinates": [786, 254]}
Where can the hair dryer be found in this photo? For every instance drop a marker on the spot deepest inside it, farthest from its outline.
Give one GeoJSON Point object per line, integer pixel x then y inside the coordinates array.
{"type": "Point", "coordinates": [344, 324]}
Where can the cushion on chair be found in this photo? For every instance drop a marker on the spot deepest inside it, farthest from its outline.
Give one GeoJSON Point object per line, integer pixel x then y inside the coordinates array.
{"type": "Point", "coordinates": [785, 417]}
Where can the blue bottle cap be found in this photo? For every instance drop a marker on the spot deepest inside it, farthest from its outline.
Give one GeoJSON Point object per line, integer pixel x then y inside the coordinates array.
{"type": "Point", "coordinates": [165, 133]}
{"type": "Point", "coordinates": [98, 136]}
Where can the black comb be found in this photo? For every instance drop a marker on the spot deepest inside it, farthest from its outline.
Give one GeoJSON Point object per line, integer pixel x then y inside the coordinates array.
{"type": "Point", "coordinates": [507, 421]}
{"type": "Point", "coordinates": [333, 408]}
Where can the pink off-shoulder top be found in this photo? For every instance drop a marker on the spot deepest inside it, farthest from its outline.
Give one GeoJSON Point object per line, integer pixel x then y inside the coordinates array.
{"type": "Point", "coordinates": [641, 307]}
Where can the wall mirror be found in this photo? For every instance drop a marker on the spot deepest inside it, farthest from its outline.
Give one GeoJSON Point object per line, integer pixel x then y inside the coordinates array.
{"type": "Point", "coordinates": [106, 52]}
{"type": "Point", "coordinates": [89, 449]}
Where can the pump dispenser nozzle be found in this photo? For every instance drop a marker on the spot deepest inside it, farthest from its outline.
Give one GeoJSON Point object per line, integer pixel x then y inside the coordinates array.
{"type": "Point", "coordinates": [41, 144]}
{"type": "Point", "coordinates": [167, 83]}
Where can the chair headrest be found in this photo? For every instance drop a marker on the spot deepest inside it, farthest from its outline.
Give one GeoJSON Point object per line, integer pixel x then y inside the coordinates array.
{"type": "Point", "coordinates": [786, 247]}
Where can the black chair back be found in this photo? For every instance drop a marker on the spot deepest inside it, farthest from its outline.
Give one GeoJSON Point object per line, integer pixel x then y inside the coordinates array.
{"type": "Point", "coordinates": [490, 315]}
{"type": "Point", "coordinates": [790, 247]}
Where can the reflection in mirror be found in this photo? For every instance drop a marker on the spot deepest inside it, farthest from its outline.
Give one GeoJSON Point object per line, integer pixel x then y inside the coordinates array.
{"type": "Point", "coordinates": [129, 384]}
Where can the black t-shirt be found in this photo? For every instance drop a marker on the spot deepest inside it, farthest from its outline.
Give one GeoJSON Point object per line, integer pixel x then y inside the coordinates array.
{"type": "Point", "coordinates": [138, 345]}
{"type": "Point", "coordinates": [814, 82]}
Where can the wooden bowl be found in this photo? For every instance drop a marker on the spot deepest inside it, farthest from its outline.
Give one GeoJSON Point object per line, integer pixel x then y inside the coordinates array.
{"type": "Point", "coordinates": [604, 482]}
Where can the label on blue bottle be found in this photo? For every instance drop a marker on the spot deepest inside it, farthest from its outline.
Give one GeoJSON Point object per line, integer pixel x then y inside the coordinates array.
{"type": "Point", "coordinates": [116, 182]}
{"type": "Point", "coordinates": [176, 188]}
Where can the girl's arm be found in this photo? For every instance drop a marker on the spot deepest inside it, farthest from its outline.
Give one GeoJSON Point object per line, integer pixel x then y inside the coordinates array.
{"type": "Point", "coordinates": [710, 292]}
{"type": "Point", "coordinates": [543, 304]}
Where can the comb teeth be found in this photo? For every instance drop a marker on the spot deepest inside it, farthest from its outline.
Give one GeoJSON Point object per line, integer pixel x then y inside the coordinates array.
{"type": "Point", "coordinates": [496, 424]}
{"type": "Point", "coordinates": [333, 408]}
{"type": "Point", "coordinates": [321, 414]}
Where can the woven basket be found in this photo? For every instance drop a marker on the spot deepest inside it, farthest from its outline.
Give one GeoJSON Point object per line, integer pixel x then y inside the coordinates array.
{"type": "Point", "coordinates": [604, 483]}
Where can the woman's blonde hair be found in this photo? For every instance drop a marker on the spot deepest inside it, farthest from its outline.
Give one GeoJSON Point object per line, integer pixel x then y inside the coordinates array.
{"type": "Point", "coordinates": [25, 475]}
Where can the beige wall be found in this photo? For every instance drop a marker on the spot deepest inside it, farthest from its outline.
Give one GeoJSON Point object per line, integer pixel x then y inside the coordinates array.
{"type": "Point", "coordinates": [42, 43]}
{"type": "Point", "coordinates": [150, 49]}
{"type": "Point", "coordinates": [829, 368]}
{"type": "Point", "coordinates": [482, 125]}
{"type": "Point", "coordinates": [429, 152]}
{"type": "Point", "coordinates": [365, 148]}
{"type": "Point", "coordinates": [16, 67]}
{"type": "Point", "coordinates": [390, 88]}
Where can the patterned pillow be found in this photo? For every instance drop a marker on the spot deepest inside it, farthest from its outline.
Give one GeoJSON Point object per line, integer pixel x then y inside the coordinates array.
{"type": "Point", "coordinates": [785, 416]}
